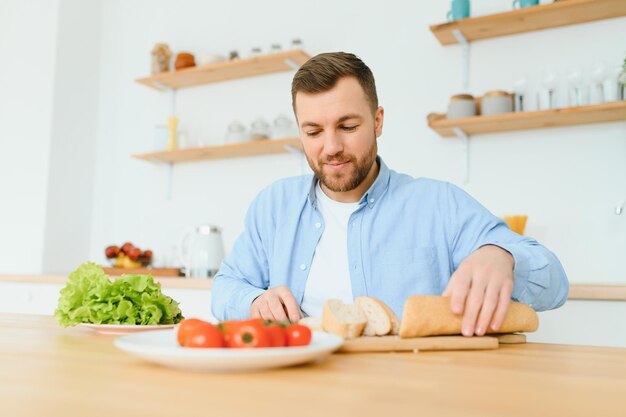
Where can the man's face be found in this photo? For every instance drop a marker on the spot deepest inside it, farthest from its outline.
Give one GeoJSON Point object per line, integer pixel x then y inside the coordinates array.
{"type": "Point", "coordinates": [339, 132]}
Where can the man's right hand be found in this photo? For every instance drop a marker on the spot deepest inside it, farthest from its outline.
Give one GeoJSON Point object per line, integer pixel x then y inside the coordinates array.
{"type": "Point", "coordinates": [276, 304]}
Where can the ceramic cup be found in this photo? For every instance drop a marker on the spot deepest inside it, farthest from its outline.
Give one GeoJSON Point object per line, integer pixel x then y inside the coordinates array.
{"type": "Point", "coordinates": [524, 3]}
{"type": "Point", "coordinates": [461, 105]}
{"type": "Point", "coordinates": [459, 9]}
{"type": "Point", "coordinates": [496, 102]}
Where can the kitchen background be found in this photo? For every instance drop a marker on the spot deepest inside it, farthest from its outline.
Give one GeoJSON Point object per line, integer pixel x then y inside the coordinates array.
{"type": "Point", "coordinates": [72, 115]}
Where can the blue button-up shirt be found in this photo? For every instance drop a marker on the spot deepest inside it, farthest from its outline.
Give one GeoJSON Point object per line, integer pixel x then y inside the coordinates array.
{"type": "Point", "coordinates": [407, 237]}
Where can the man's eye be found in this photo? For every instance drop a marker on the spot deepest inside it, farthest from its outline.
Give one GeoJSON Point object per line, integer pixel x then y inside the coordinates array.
{"type": "Point", "coordinates": [312, 133]}
{"type": "Point", "coordinates": [349, 128]}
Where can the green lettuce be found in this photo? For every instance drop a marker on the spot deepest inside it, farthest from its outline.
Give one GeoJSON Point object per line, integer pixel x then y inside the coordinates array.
{"type": "Point", "coordinates": [91, 297]}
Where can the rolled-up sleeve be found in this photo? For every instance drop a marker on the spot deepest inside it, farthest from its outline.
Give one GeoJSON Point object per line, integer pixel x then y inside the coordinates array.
{"type": "Point", "coordinates": [539, 277]}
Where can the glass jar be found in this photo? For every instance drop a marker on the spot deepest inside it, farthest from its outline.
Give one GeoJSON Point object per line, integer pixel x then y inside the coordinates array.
{"type": "Point", "coordinates": [283, 127]}
{"type": "Point", "coordinates": [259, 129]}
{"type": "Point", "coordinates": [236, 133]}
{"type": "Point", "coordinates": [297, 44]}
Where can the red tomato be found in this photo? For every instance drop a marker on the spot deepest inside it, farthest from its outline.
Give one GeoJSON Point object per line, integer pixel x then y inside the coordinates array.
{"type": "Point", "coordinates": [277, 334]}
{"type": "Point", "coordinates": [249, 334]}
{"type": "Point", "coordinates": [197, 333]}
{"type": "Point", "coordinates": [298, 335]}
{"type": "Point", "coordinates": [227, 328]}
{"type": "Point", "coordinates": [186, 327]}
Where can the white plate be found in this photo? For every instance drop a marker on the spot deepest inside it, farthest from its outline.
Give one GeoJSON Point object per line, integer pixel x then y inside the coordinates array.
{"type": "Point", "coordinates": [161, 347]}
{"type": "Point", "coordinates": [124, 328]}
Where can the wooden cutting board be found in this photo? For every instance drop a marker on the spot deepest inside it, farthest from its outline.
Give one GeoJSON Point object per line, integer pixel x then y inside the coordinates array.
{"type": "Point", "coordinates": [397, 344]}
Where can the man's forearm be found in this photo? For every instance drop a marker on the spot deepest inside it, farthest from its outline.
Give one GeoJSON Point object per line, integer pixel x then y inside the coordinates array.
{"type": "Point", "coordinates": [231, 297]}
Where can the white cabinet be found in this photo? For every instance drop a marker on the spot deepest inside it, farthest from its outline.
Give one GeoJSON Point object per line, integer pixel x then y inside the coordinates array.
{"type": "Point", "coordinates": [29, 298]}
{"type": "Point", "coordinates": [584, 322]}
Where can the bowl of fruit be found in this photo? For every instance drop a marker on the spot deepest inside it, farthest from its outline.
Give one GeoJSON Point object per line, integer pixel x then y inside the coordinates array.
{"type": "Point", "coordinates": [128, 256]}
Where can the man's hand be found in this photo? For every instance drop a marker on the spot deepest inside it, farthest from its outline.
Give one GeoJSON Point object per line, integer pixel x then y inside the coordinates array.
{"type": "Point", "coordinates": [276, 304]}
{"type": "Point", "coordinates": [480, 289]}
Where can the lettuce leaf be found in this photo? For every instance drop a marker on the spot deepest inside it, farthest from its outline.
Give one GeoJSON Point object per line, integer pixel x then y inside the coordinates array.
{"type": "Point", "coordinates": [91, 297]}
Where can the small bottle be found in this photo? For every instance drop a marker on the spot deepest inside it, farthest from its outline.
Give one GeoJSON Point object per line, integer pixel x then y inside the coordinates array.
{"type": "Point", "coordinates": [172, 125]}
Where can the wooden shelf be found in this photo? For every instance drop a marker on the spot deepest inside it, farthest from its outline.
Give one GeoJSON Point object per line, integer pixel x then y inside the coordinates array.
{"type": "Point", "coordinates": [528, 19]}
{"type": "Point", "coordinates": [597, 292]}
{"type": "Point", "coordinates": [236, 150]}
{"type": "Point", "coordinates": [227, 70]}
{"type": "Point", "coordinates": [598, 113]}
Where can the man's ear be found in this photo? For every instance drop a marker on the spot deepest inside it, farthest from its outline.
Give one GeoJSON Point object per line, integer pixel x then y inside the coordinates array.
{"type": "Point", "coordinates": [378, 121]}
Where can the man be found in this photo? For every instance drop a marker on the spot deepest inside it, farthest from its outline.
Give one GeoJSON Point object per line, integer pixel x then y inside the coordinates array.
{"type": "Point", "coordinates": [358, 228]}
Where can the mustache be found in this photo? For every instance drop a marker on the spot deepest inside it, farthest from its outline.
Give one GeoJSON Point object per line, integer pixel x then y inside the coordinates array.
{"type": "Point", "coordinates": [341, 158]}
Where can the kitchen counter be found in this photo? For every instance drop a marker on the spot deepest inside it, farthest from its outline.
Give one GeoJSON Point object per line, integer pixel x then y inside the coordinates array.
{"type": "Point", "coordinates": [47, 370]}
{"type": "Point", "coordinates": [166, 282]}
{"type": "Point", "coordinates": [577, 291]}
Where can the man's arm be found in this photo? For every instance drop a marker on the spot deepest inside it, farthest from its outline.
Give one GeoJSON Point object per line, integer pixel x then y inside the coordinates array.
{"type": "Point", "coordinates": [241, 287]}
{"type": "Point", "coordinates": [244, 274]}
{"type": "Point", "coordinates": [482, 247]}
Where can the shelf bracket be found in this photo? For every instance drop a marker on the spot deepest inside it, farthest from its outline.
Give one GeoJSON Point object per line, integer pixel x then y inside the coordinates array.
{"type": "Point", "coordinates": [465, 152]}
{"type": "Point", "coordinates": [173, 102]}
{"type": "Point", "coordinates": [465, 57]}
{"type": "Point", "coordinates": [170, 181]}
{"type": "Point", "coordinates": [292, 64]}
{"type": "Point", "coordinates": [619, 208]}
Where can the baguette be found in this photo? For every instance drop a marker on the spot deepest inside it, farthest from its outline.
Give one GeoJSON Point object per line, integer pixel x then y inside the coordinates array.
{"type": "Point", "coordinates": [344, 320]}
{"type": "Point", "coordinates": [430, 315]}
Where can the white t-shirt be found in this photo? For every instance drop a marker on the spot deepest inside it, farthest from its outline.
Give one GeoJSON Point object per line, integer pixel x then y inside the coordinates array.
{"type": "Point", "coordinates": [329, 276]}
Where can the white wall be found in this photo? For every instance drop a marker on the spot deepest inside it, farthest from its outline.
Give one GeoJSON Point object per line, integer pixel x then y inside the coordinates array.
{"type": "Point", "coordinates": [27, 47]}
{"type": "Point", "coordinates": [48, 96]}
{"type": "Point", "coordinates": [74, 129]}
{"type": "Point", "coordinates": [567, 180]}
{"type": "Point", "coordinates": [68, 93]}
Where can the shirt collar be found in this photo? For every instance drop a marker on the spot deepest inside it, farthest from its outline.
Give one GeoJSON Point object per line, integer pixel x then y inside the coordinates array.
{"type": "Point", "coordinates": [372, 195]}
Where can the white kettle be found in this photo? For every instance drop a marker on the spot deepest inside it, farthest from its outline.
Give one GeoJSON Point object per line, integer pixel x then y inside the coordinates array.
{"type": "Point", "coordinates": [201, 251]}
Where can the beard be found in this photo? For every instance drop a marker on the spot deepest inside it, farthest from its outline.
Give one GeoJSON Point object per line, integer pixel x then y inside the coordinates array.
{"type": "Point", "coordinates": [352, 178]}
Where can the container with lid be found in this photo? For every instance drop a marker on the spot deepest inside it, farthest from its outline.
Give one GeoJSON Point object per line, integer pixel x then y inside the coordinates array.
{"type": "Point", "coordinates": [496, 102]}
{"type": "Point", "coordinates": [461, 105]}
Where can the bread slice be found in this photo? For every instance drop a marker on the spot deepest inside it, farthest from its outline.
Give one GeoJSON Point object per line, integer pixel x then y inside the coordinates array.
{"type": "Point", "coordinates": [344, 320]}
{"type": "Point", "coordinates": [395, 321]}
{"type": "Point", "coordinates": [431, 315]}
{"type": "Point", "coordinates": [313, 323]}
{"type": "Point", "coordinates": [378, 320]}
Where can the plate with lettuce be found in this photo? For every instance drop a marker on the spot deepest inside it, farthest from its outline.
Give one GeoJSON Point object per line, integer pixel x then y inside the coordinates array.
{"type": "Point", "coordinates": [130, 303]}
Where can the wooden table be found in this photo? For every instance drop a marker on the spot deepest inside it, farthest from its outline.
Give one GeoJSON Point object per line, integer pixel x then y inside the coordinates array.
{"type": "Point", "coordinates": [49, 371]}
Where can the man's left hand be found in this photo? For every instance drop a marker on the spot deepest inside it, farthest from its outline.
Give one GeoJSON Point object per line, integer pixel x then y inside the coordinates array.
{"type": "Point", "coordinates": [481, 288]}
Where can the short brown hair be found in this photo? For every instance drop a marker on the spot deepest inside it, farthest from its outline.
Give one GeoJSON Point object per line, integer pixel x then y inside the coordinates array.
{"type": "Point", "coordinates": [322, 72]}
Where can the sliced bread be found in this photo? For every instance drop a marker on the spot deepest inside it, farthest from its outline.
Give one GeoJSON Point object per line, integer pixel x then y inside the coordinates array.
{"type": "Point", "coordinates": [378, 320]}
{"type": "Point", "coordinates": [313, 323]}
{"type": "Point", "coordinates": [395, 321]}
{"type": "Point", "coordinates": [344, 320]}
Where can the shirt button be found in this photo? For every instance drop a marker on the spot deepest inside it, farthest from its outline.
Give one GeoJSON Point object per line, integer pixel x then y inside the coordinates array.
{"type": "Point", "coordinates": [318, 225]}
{"type": "Point", "coordinates": [372, 200]}
{"type": "Point", "coordinates": [302, 267]}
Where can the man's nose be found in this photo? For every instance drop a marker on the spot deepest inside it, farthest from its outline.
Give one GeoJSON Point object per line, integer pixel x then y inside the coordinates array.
{"type": "Point", "coordinates": [333, 143]}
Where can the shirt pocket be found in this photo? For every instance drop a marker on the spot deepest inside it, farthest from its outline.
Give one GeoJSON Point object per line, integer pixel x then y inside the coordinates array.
{"type": "Point", "coordinates": [407, 271]}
